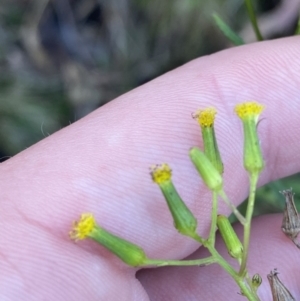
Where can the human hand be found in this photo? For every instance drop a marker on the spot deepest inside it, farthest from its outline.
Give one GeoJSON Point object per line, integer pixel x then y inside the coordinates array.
{"type": "Point", "coordinates": [100, 164]}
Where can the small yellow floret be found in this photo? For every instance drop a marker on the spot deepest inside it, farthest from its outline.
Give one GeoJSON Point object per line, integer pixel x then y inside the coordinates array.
{"type": "Point", "coordinates": [205, 117]}
{"type": "Point", "coordinates": [83, 227]}
{"type": "Point", "coordinates": [248, 109]}
{"type": "Point", "coordinates": [161, 173]}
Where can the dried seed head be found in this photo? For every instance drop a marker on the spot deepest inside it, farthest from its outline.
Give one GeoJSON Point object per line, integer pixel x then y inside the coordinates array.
{"type": "Point", "coordinates": [279, 291]}
{"type": "Point", "coordinates": [291, 222]}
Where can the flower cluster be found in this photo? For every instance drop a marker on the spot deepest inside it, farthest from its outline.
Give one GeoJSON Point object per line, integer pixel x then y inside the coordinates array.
{"type": "Point", "coordinates": [209, 165]}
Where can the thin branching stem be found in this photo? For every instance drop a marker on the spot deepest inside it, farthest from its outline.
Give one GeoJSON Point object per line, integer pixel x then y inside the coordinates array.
{"type": "Point", "coordinates": [297, 31]}
{"type": "Point", "coordinates": [195, 262]}
{"type": "Point", "coordinates": [235, 211]}
{"type": "Point", "coordinates": [214, 213]}
{"type": "Point", "coordinates": [247, 226]}
{"type": "Point", "coordinates": [240, 281]}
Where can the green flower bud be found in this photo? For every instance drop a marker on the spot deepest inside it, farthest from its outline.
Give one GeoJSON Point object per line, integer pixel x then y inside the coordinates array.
{"type": "Point", "coordinates": [184, 220]}
{"type": "Point", "coordinates": [232, 242]}
{"type": "Point", "coordinates": [249, 113]}
{"type": "Point", "coordinates": [210, 175]}
{"type": "Point", "coordinates": [128, 252]}
{"type": "Point", "coordinates": [206, 120]}
{"type": "Point", "coordinates": [256, 281]}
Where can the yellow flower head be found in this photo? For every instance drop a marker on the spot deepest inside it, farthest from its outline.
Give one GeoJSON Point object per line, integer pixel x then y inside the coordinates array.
{"type": "Point", "coordinates": [161, 173]}
{"type": "Point", "coordinates": [83, 227]}
{"type": "Point", "coordinates": [249, 112]}
{"type": "Point", "coordinates": [205, 117]}
{"type": "Point", "coordinates": [249, 109]}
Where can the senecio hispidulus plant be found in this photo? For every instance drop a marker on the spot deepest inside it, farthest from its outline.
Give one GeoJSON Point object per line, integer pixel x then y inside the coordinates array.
{"type": "Point", "coordinates": [210, 167]}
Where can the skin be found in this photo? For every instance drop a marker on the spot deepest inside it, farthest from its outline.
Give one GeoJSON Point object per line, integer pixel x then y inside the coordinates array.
{"type": "Point", "coordinates": [100, 164]}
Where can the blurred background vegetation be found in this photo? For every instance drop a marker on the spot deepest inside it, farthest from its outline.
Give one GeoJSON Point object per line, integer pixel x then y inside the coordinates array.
{"type": "Point", "coordinates": [61, 59]}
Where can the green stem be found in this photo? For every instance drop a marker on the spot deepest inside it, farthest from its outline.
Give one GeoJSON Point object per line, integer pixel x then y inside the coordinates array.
{"type": "Point", "coordinates": [195, 262]}
{"type": "Point", "coordinates": [238, 215]}
{"type": "Point", "coordinates": [227, 31]}
{"type": "Point", "coordinates": [245, 289]}
{"type": "Point", "coordinates": [297, 31]}
{"type": "Point", "coordinates": [247, 226]}
{"type": "Point", "coordinates": [212, 234]}
{"type": "Point", "coordinates": [253, 20]}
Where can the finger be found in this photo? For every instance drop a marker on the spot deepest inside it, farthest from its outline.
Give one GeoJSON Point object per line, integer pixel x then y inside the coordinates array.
{"type": "Point", "coordinates": [269, 249]}
{"type": "Point", "coordinates": [100, 163]}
